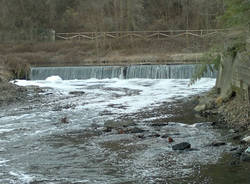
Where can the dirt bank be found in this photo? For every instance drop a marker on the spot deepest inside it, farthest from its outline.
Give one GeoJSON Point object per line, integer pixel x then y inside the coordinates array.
{"type": "Point", "coordinates": [10, 93]}
{"type": "Point", "coordinates": [231, 113]}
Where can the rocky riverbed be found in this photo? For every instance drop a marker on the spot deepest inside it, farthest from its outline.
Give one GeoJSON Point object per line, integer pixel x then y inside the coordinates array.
{"type": "Point", "coordinates": [97, 131]}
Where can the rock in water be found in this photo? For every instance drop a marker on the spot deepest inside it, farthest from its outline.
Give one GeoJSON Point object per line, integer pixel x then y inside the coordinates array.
{"type": "Point", "coordinates": [181, 146]}
{"type": "Point", "coordinates": [245, 157]}
{"type": "Point", "coordinates": [77, 93]}
{"type": "Point", "coordinates": [64, 120]}
{"type": "Point", "coordinates": [170, 139]}
{"type": "Point", "coordinates": [200, 108]}
{"type": "Point", "coordinates": [248, 150]}
{"type": "Point", "coordinates": [246, 139]}
{"type": "Point", "coordinates": [217, 144]}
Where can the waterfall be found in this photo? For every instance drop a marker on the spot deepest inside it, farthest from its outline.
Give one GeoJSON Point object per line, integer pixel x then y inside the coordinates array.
{"type": "Point", "coordinates": [123, 72]}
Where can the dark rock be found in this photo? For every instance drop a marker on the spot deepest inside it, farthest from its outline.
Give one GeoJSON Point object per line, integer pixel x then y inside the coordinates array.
{"type": "Point", "coordinates": [214, 123]}
{"type": "Point", "coordinates": [181, 146]}
{"type": "Point", "coordinates": [170, 139]}
{"type": "Point", "coordinates": [95, 126]}
{"type": "Point", "coordinates": [78, 93]}
{"type": "Point", "coordinates": [158, 124]}
{"type": "Point", "coordinates": [141, 136]}
{"type": "Point", "coordinates": [64, 120]}
{"type": "Point", "coordinates": [236, 137]}
{"type": "Point", "coordinates": [245, 157]}
{"type": "Point", "coordinates": [135, 130]}
{"type": "Point", "coordinates": [165, 136]}
{"type": "Point", "coordinates": [238, 153]}
{"type": "Point", "coordinates": [234, 149]}
{"type": "Point", "coordinates": [217, 144]}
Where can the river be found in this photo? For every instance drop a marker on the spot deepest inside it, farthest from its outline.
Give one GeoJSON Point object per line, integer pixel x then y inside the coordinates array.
{"type": "Point", "coordinates": [58, 136]}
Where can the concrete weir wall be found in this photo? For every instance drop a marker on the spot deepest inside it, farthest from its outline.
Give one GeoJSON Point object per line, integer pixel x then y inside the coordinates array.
{"type": "Point", "coordinates": [234, 75]}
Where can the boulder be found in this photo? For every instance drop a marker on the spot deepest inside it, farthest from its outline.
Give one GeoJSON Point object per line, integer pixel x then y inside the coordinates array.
{"type": "Point", "coordinates": [200, 108]}
{"type": "Point", "coordinates": [181, 146]}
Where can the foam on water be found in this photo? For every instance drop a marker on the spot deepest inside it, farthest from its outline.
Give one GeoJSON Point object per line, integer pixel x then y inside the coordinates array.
{"type": "Point", "coordinates": [54, 78]}
{"type": "Point", "coordinates": [144, 92]}
{"type": "Point", "coordinates": [24, 178]}
{"type": "Point", "coordinates": [38, 147]}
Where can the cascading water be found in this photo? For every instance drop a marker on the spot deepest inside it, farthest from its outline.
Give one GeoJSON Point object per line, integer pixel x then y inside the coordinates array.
{"type": "Point", "coordinates": [122, 72]}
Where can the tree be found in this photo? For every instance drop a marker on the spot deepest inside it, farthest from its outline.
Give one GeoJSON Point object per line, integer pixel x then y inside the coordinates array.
{"type": "Point", "coordinates": [237, 13]}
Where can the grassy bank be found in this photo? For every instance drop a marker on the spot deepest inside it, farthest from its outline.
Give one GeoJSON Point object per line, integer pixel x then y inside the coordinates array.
{"type": "Point", "coordinates": [18, 57]}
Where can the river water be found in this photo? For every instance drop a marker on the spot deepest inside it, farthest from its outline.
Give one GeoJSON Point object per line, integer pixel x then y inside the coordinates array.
{"type": "Point", "coordinates": [58, 137]}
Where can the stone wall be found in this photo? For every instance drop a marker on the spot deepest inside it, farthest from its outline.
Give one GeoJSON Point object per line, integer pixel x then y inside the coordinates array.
{"type": "Point", "coordinates": [234, 75]}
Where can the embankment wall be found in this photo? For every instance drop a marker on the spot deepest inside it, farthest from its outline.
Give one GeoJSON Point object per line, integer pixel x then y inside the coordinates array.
{"type": "Point", "coordinates": [234, 75]}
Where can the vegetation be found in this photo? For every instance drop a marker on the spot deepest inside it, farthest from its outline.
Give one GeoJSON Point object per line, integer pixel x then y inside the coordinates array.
{"type": "Point", "coordinates": [25, 19]}
{"type": "Point", "coordinates": [29, 17]}
{"type": "Point", "coordinates": [237, 13]}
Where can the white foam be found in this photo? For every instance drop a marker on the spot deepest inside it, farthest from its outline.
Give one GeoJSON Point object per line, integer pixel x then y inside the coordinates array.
{"type": "Point", "coordinates": [25, 178]}
{"type": "Point", "coordinates": [3, 162]}
{"type": "Point", "coordinates": [151, 92]}
{"type": "Point", "coordinates": [5, 130]}
{"type": "Point", "coordinates": [54, 79]}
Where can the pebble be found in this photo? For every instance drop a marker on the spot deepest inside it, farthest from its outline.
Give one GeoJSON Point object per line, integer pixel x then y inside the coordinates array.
{"type": "Point", "coordinates": [170, 139]}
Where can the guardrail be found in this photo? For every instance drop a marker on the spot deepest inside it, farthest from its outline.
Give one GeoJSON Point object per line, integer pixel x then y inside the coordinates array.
{"type": "Point", "coordinates": [146, 35]}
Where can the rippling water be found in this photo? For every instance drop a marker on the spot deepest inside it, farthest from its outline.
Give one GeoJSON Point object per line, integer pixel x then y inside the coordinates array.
{"type": "Point", "coordinates": [36, 147]}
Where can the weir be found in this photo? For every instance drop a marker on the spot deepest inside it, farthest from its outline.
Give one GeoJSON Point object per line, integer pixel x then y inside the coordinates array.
{"type": "Point", "coordinates": [122, 72]}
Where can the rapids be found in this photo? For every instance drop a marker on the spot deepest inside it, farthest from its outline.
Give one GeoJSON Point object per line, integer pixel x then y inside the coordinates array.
{"type": "Point", "coordinates": [37, 147]}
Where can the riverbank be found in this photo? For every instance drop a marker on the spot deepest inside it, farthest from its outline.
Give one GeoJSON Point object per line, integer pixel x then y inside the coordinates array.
{"type": "Point", "coordinates": [10, 93]}
{"type": "Point", "coordinates": [20, 56]}
{"type": "Point", "coordinates": [231, 113]}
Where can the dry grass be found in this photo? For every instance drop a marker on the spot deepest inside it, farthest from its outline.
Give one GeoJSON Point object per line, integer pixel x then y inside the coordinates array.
{"type": "Point", "coordinates": [20, 56]}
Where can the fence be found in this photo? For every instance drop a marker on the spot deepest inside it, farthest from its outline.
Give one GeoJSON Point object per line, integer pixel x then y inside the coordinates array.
{"type": "Point", "coordinates": [146, 35]}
